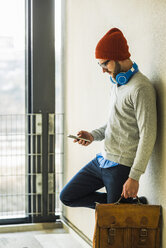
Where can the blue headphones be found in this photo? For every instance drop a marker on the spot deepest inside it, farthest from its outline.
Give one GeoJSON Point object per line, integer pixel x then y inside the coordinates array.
{"type": "Point", "coordinates": [123, 77]}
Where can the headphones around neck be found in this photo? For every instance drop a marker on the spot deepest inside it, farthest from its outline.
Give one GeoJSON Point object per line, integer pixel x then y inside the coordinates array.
{"type": "Point", "coordinates": [123, 77]}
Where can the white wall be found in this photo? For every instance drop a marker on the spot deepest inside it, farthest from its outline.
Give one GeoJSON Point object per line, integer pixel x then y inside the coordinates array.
{"type": "Point", "coordinates": [87, 88]}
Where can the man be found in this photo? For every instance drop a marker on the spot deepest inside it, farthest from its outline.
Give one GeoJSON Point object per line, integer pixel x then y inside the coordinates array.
{"type": "Point", "coordinates": [129, 135]}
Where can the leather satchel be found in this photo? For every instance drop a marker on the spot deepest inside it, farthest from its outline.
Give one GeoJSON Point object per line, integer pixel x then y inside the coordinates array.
{"type": "Point", "coordinates": [127, 226]}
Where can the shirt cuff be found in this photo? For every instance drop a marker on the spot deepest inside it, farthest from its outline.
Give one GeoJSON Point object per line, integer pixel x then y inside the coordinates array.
{"type": "Point", "coordinates": [95, 136]}
{"type": "Point", "coordinates": [135, 174]}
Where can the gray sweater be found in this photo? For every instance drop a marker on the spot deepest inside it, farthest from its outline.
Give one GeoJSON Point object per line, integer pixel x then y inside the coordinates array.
{"type": "Point", "coordinates": [130, 132]}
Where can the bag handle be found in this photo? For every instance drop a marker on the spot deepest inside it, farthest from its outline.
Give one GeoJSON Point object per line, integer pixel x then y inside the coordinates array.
{"type": "Point", "coordinates": [118, 202]}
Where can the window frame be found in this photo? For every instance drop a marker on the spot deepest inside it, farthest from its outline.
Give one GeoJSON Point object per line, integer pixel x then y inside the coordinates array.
{"type": "Point", "coordinates": [39, 91]}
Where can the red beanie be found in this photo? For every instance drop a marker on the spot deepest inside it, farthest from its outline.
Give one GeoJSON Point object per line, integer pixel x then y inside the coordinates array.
{"type": "Point", "coordinates": [112, 46]}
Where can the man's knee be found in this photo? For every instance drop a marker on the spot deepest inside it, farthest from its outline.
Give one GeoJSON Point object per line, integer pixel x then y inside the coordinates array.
{"type": "Point", "coordinates": [64, 199]}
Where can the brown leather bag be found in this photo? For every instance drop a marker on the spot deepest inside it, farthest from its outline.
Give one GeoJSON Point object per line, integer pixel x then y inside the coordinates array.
{"type": "Point", "coordinates": [127, 226]}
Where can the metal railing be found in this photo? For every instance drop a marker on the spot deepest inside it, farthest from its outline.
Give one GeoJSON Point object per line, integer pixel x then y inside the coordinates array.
{"type": "Point", "coordinates": [21, 167]}
{"type": "Point", "coordinates": [55, 155]}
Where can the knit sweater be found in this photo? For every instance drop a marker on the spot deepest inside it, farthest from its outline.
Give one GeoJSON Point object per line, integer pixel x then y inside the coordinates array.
{"type": "Point", "coordinates": [130, 133]}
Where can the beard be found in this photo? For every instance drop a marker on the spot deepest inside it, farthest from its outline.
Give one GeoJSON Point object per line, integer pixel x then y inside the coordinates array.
{"type": "Point", "coordinates": [117, 69]}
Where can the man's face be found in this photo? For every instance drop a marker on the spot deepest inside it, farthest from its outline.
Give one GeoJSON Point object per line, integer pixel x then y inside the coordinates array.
{"type": "Point", "coordinates": [111, 67]}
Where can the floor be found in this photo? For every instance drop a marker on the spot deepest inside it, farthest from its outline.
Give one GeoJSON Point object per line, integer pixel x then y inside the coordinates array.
{"type": "Point", "coordinates": [57, 238]}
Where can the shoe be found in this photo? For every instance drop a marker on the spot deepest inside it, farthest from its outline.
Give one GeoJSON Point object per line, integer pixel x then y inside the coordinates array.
{"type": "Point", "coordinates": [143, 200]}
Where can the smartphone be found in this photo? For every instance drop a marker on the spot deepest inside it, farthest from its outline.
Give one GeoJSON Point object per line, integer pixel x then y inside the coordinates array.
{"type": "Point", "coordinates": [76, 137]}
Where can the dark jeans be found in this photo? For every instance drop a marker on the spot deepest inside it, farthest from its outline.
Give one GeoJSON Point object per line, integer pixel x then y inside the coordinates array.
{"type": "Point", "coordinates": [80, 191]}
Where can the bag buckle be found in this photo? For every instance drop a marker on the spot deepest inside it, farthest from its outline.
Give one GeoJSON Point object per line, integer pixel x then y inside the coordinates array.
{"type": "Point", "coordinates": [143, 236]}
{"type": "Point", "coordinates": [112, 231]}
{"type": "Point", "coordinates": [143, 232]}
{"type": "Point", "coordinates": [111, 235]}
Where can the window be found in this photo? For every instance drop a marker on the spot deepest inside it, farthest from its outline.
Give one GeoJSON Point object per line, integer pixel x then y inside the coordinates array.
{"type": "Point", "coordinates": [12, 56]}
{"type": "Point", "coordinates": [27, 116]}
{"type": "Point", "coordinates": [12, 108]}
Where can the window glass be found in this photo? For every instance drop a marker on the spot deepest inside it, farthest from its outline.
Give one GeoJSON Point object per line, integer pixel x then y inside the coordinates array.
{"type": "Point", "coordinates": [12, 108]}
{"type": "Point", "coordinates": [12, 56]}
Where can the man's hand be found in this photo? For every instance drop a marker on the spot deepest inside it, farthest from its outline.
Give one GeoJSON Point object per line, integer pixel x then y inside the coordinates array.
{"type": "Point", "coordinates": [130, 188]}
{"type": "Point", "coordinates": [85, 135]}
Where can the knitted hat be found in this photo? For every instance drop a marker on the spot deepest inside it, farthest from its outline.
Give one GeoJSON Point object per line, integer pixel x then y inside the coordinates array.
{"type": "Point", "coordinates": [112, 46]}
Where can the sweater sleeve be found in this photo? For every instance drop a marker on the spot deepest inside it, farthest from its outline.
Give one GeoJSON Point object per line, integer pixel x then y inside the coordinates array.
{"type": "Point", "coordinates": [99, 134]}
{"type": "Point", "coordinates": [145, 109]}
